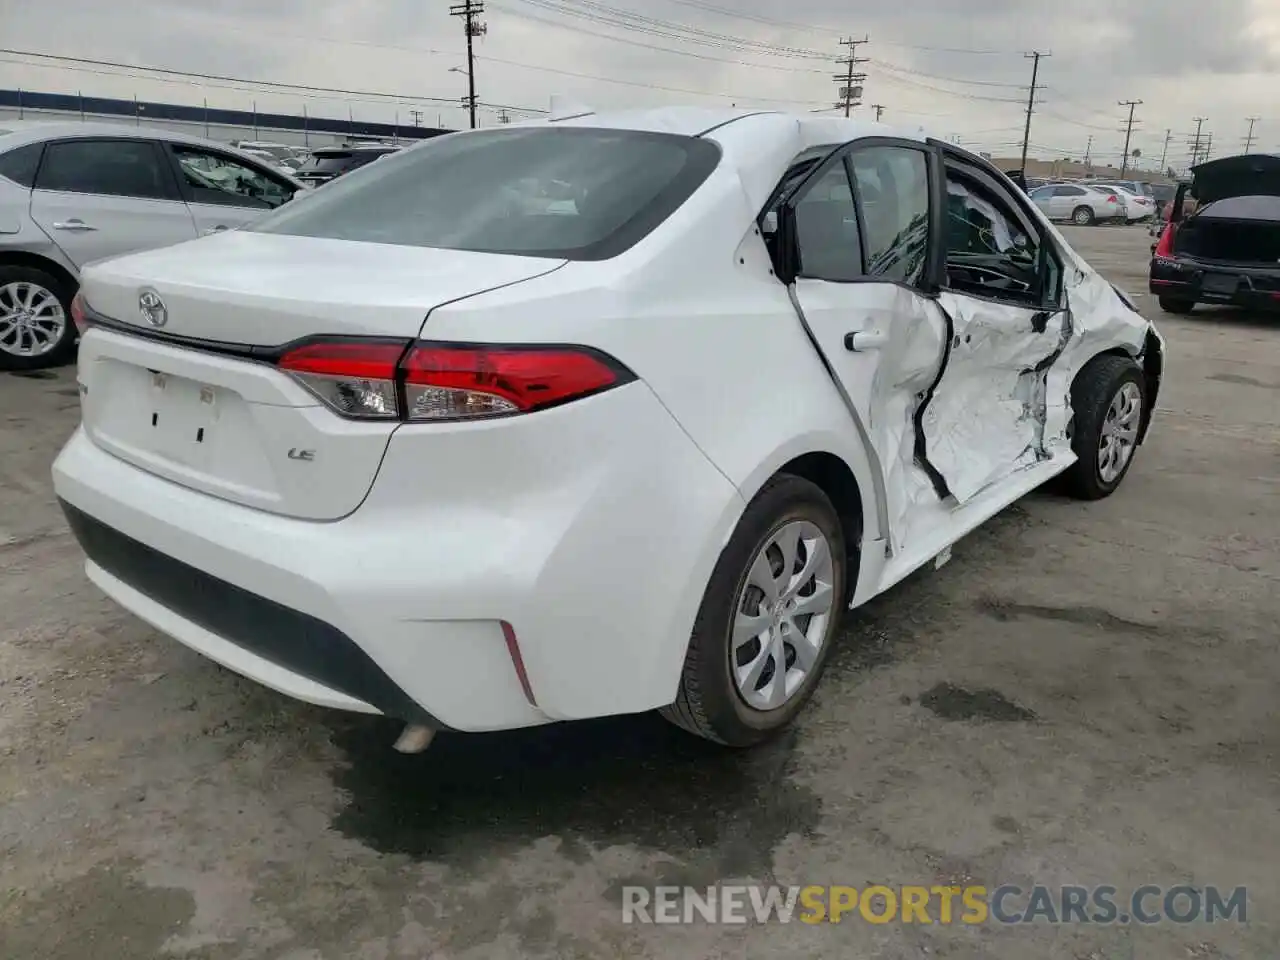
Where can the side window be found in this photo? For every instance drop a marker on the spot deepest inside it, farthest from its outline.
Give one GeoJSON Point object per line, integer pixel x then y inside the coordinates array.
{"type": "Point", "coordinates": [990, 252]}
{"type": "Point", "coordinates": [826, 224]}
{"type": "Point", "coordinates": [217, 179]}
{"type": "Point", "coordinates": [20, 164]}
{"type": "Point", "coordinates": [1070, 192]}
{"type": "Point", "coordinates": [893, 188]}
{"type": "Point", "coordinates": [115, 168]}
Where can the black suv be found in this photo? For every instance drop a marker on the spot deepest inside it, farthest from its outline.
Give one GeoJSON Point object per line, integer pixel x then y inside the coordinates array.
{"type": "Point", "coordinates": [330, 162]}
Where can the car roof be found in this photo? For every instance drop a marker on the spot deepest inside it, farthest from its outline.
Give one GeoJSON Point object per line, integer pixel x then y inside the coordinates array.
{"type": "Point", "coordinates": [23, 132]}
{"type": "Point", "coordinates": [698, 121]}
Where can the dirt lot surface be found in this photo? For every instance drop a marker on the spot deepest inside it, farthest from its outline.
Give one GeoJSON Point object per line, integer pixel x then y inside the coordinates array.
{"type": "Point", "coordinates": [1111, 718]}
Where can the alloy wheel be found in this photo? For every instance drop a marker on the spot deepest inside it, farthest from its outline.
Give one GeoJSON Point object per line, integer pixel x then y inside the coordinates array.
{"type": "Point", "coordinates": [1119, 434]}
{"type": "Point", "coordinates": [781, 615]}
{"type": "Point", "coordinates": [32, 320]}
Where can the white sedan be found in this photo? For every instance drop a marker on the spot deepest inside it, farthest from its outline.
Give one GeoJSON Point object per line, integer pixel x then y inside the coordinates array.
{"type": "Point", "coordinates": [418, 448]}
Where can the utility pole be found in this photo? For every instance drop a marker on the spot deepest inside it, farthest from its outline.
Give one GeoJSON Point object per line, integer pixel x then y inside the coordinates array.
{"type": "Point", "coordinates": [470, 11]}
{"type": "Point", "coordinates": [1088, 150]}
{"type": "Point", "coordinates": [503, 117]}
{"type": "Point", "coordinates": [417, 117]}
{"type": "Point", "coordinates": [1034, 56]}
{"type": "Point", "coordinates": [879, 109]}
{"type": "Point", "coordinates": [1208, 145]}
{"type": "Point", "coordinates": [1195, 146]}
{"type": "Point", "coordinates": [851, 81]}
{"type": "Point", "coordinates": [1128, 134]}
{"type": "Point", "coordinates": [1248, 140]}
{"type": "Point", "coordinates": [1164, 154]}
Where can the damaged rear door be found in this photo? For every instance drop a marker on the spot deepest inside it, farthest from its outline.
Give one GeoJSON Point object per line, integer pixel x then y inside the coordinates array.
{"type": "Point", "coordinates": [854, 233]}
{"type": "Point", "coordinates": [1002, 290]}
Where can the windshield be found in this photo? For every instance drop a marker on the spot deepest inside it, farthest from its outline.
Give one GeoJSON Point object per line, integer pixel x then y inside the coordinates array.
{"type": "Point", "coordinates": [569, 192]}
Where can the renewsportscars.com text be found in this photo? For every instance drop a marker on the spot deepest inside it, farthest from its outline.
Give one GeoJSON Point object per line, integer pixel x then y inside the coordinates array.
{"type": "Point", "coordinates": [971, 905]}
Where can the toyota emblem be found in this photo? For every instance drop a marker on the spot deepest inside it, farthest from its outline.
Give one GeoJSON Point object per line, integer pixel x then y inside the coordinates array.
{"type": "Point", "coordinates": [152, 308]}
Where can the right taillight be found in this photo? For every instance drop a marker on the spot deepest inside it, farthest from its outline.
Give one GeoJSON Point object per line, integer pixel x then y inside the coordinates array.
{"type": "Point", "coordinates": [426, 381]}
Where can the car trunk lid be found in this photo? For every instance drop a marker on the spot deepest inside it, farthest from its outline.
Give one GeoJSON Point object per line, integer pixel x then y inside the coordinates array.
{"type": "Point", "coordinates": [1248, 175]}
{"type": "Point", "coordinates": [198, 399]}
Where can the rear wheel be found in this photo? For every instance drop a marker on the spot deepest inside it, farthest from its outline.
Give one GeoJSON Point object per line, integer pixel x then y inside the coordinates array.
{"type": "Point", "coordinates": [1170, 305]}
{"type": "Point", "coordinates": [1082, 216]}
{"type": "Point", "coordinates": [767, 620]}
{"type": "Point", "coordinates": [1108, 399]}
{"type": "Point", "coordinates": [35, 319]}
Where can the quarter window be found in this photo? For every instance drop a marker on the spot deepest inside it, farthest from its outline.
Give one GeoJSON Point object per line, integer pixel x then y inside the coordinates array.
{"type": "Point", "coordinates": [117, 168]}
{"type": "Point", "coordinates": [826, 220]}
{"type": "Point", "coordinates": [19, 164]}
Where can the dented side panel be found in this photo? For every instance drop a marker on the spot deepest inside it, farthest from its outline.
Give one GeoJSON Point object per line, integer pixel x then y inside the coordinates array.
{"type": "Point", "coordinates": [989, 412]}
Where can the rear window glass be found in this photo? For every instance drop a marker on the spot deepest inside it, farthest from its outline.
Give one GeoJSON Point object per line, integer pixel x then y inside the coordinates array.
{"type": "Point", "coordinates": [21, 163]}
{"type": "Point", "coordinates": [570, 192]}
{"type": "Point", "coordinates": [1242, 208]}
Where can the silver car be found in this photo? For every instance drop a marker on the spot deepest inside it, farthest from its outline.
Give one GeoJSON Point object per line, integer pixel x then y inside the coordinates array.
{"type": "Point", "coordinates": [1080, 203]}
{"type": "Point", "coordinates": [74, 192]}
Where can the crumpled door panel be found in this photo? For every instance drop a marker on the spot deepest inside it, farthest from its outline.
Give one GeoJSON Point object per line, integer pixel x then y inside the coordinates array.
{"type": "Point", "coordinates": [987, 415]}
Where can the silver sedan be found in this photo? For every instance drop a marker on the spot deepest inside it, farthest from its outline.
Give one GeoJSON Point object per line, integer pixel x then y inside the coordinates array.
{"type": "Point", "coordinates": [1080, 204]}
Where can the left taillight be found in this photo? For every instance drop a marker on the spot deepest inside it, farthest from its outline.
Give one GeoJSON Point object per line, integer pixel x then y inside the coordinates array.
{"type": "Point", "coordinates": [427, 381]}
{"type": "Point", "coordinates": [79, 315]}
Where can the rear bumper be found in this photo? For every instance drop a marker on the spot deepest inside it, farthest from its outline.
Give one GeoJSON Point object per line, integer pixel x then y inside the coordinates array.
{"type": "Point", "coordinates": [591, 530]}
{"type": "Point", "coordinates": [1198, 281]}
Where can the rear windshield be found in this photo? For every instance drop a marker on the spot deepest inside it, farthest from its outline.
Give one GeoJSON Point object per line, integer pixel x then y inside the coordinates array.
{"type": "Point", "coordinates": [328, 162]}
{"type": "Point", "coordinates": [1241, 208]}
{"type": "Point", "coordinates": [569, 192]}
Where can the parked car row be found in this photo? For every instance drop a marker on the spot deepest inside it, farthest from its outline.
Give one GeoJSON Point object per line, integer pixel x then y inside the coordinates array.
{"type": "Point", "coordinates": [73, 193]}
{"type": "Point", "coordinates": [1087, 202]}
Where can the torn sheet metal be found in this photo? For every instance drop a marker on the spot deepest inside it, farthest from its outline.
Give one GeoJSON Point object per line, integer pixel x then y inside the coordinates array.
{"type": "Point", "coordinates": [988, 412]}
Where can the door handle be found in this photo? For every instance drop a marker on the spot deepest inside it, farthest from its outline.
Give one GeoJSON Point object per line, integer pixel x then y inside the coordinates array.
{"type": "Point", "coordinates": [865, 340]}
{"type": "Point", "coordinates": [218, 229]}
{"type": "Point", "coordinates": [74, 225]}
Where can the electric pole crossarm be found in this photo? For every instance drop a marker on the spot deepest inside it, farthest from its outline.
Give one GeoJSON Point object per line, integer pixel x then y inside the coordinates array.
{"type": "Point", "coordinates": [469, 11]}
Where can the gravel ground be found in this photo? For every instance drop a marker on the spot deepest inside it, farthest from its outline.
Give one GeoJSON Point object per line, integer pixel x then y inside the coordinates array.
{"type": "Point", "coordinates": [1085, 694]}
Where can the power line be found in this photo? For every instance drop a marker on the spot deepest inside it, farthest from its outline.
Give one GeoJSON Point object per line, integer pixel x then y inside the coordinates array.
{"type": "Point", "coordinates": [851, 90]}
{"type": "Point", "coordinates": [1034, 56]}
{"type": "Point", "coordinates": [1128, 133]}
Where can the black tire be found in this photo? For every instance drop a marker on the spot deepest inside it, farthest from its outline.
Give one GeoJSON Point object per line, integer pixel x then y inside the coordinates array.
{"type": "Point", "coordinates": [1180, 307]}
{"type": "Point", "coordinates": [1091, 395]}
{"type": "Point", "coordinates": [708, 702]}
{"type": "Point", "coordinates": [1082, 216]}
{"type": "Point", "coordinates": [64, 349]}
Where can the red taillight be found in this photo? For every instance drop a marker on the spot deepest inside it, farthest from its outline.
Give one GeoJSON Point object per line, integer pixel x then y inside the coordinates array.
{"type": "Point", "coordinates": [445, 381]}
{"type": "Point", "coordinates": [434, 381]}
{"type": "Point", "coordinates": [517, 661]}
{"type": "Point", "coordinates": [1164, 246]}
{"type": "Point", "coordinates": [79, 316]}
{"type": "Point", "coordinates": [1113, 199]}
{"type": "Point", "coordinates": [356, 378]}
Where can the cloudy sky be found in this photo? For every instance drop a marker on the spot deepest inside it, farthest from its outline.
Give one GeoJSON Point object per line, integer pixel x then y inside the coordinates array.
{"type": "Point", "coordinates": [956, 68]}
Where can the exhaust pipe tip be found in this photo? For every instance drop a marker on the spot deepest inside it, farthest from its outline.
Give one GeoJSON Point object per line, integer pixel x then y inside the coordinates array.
{"type": "Point", "coordinates": [414, 738]}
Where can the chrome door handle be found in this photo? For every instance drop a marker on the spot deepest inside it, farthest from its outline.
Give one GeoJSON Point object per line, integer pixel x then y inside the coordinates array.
{"type": "Point", "coordinates": [865, 340]}
{"type": "Point", "coordinates": [74, 225]}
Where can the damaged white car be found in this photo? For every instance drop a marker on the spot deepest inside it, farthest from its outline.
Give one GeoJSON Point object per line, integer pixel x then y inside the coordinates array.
{"type": "Point", "coordinates": [423, 446]}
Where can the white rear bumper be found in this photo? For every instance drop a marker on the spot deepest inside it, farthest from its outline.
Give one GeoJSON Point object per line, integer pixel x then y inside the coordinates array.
{"type": "Point", "coordinates": [591, 529]}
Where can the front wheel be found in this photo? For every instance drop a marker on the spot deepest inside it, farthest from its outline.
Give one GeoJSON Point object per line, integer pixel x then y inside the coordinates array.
{"type": "Point", "coordinates": [767, 620]}
{"type": "Point", "coordinates": [1082, 216]}
{"type": "Point", "coordinates": [1108, 399]}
